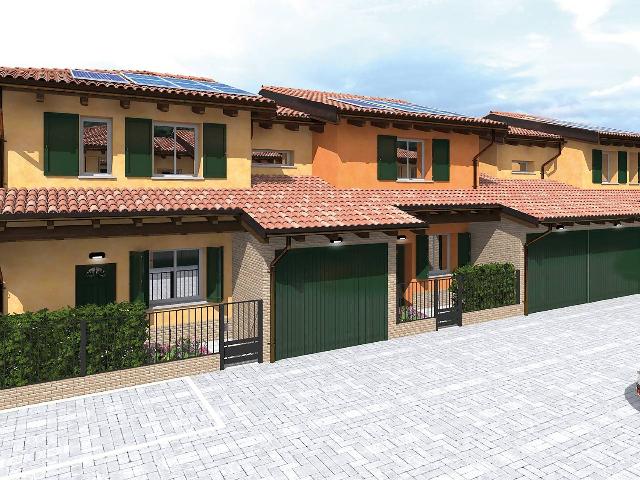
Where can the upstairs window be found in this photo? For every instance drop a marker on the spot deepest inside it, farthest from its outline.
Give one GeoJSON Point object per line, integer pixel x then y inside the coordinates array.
{"type": "Point", "coordinates": [174, 150]}
{"type": "Point", "coordinates": [410, 159]}
{"type": "Point", "coordinates": [95, 146]}
{"type": "Point", "coordinates": [609, 166]}
{"type": "Point", "coordinates": [278, 158]}
{"type": "Point", "coordinates": [174, 276]}
{"type": "Point", "coordinates": [521, 166]}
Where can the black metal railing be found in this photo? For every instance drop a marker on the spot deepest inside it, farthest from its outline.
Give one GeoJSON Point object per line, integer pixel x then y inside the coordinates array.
{"type": "Point", "coordinates": [240, 332]}
{"type": "Point", "coordinates": [424, 299]}
{"type": "Point", "coordinates": [180, 333]}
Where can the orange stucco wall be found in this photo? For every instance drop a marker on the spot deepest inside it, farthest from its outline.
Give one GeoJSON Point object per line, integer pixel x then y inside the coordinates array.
{"type": "Point", "coordinates": [346, 156]}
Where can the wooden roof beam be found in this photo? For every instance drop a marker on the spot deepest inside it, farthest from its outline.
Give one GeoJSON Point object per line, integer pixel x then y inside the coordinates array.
{"type": "Point", "coordinates": [84, 100]}
{"type": "Point", "coordinates": [39, 97]}
{"type": "Point", "coordinates": [361, 234]}
{"type": "Point", "coordinates": [316, 128]}
{"type": "Point", "coordinates": [402, 125]}
{"type": "Point", "coordinates": [198, 109]}
{"type": "Point", "coordinates": [230, 112]}
{"type": "Point", "coordinates": [380, 124]}
{"type": "Point", "coordinates": [266, 125]}
{"type": "Point", "coordinates": [356, 122]}
{"type": "Point", "coordinates": [125, 103]}
{"type": "Point", "coordinates": [294, 127]}
{"type": "Point", "coordinates": [163, 106]}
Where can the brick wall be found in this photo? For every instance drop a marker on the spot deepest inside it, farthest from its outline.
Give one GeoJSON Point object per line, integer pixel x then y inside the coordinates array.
{"type": "Point", "coordinates": [500, 242]}
{"type": "Point", "coordinates": [45, 392]}
{"type": "Point", "coordinates": [469, 318]}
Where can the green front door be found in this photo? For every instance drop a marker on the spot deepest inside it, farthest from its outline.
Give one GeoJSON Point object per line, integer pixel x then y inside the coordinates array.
{"type": "Point", "coordinates": [569, 268]}
{"type": "Point", "coordinates": [95, 284]}
{"type": "Point", "coordinates": [330, 297]}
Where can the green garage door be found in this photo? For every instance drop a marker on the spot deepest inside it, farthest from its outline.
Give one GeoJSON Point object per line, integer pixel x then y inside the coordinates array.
{"type": "Point", "coordinates": [569, 268]}
{"type": "Point", "coordinates": [330, 297]}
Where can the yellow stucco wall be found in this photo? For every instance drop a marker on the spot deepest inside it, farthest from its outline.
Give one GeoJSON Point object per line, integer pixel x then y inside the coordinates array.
{"type": "Point", "coordinates": [41, 274]}
{"type": "Point", "coordinates": [279, 138]}
{"type": "Point", "coordinates": [572, 167]}
{"type": "Point", "coordinates": [24, 133]}
{"type": "Point", "coordinates": [497, 160]}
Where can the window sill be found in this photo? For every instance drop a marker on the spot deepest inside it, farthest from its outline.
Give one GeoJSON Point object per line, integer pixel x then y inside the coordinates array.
{"type": "Point", "coordinates": [413, 180]}
{"type": "Point", "coordinates": [524, 173]}
{"type": "Point", "coordinates": [175, 306]}
{"type": "Point", "coordinates": [260, 165]}
{"type": "Point", "coordinates": [610, 183]}
{"type": "Point", "coordinates": [97, 176]}
{"type": "Point", "coordinates": [176, 177]}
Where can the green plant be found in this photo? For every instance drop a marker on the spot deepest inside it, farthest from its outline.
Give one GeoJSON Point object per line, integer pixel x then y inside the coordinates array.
{"type": "Point", "coordinates": [485, 286]}
{"type": "Point", "coordinates": [45, 345]}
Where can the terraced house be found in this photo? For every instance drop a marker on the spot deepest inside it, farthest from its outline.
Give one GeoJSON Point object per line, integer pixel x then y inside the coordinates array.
{"type": "Point", "coordinates": [320, 219]}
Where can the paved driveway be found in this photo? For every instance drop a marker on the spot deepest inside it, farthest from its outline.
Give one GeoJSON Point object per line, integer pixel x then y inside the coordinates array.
{"type": "Point", "coordinates": [549, 395]}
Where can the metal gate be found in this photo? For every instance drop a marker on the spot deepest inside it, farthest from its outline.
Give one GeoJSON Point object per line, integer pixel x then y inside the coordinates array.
{"type": "Point", "coordinates": [240, 334]}
{"type": "Point", "coordinates": [436, 297]}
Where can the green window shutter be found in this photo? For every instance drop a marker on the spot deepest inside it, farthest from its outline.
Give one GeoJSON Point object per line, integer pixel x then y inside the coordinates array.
{"type": "Point", "coordinates": [596, 166]}
{"type": "Point", "coordinates": [441, 159]}
{"type": "Point", "coordinates": [215, 275]}
{"type": "Point", "coordinates": [138, 154]}
{"type": "Point", "coordinates": [464, 249]}
{"type": "Point", "coordinates": [61, 142]}
{"type": "Point", "coordinates": [622, 167]}
{"type": "Point", "coordinates": [387, 157]}
{"type": "Point", "coordinates": [139, 277]}
{"type": "Point", "coordinates": [422, 257]}
{"type": "Point", "coordinates": [214, 142]}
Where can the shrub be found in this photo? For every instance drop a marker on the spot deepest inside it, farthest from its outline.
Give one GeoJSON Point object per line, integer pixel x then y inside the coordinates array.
{"type": "Point", "coordinates": [45, 345]}
{"type": "Point", "coordinates": [485, 286]}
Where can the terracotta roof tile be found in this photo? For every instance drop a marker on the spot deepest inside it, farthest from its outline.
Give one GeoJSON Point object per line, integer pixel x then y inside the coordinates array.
{"type": "Point", "coordinates": [62, 78]}
{"type": "Point", "coordinates": [282, 203]}
{"type": "Point", "coordinates": [533, 134]}
{"type": "Point", "coordinates": [286, 113]}
{"type": "Point", "coordinates": [332, 99]}
{"type": "Point", "coordinates": [605, 131]}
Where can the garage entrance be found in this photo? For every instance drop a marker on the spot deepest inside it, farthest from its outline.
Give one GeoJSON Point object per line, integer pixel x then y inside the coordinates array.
{"type": "Point", "coordinates": [569, 268]}
{"type": "Point", "coordinates": [330, 297]}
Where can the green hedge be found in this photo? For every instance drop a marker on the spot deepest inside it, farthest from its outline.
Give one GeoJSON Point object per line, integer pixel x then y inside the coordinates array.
{"type": "Point", "coordinates": [44, 346]}
{"type": "Point", "coordinates": [486, 286]}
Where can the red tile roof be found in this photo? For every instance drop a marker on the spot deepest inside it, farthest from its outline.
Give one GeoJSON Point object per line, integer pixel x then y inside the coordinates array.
{"type": "Point", "coordinates": [605, 131]}
{"type": "Point", "coordinates": [62, 78]}
{"type": "Point", "coordinates": [282, 203]}
{"type": "Point", "coordinates": [332, 99]}
{"type": "Point", "coordinates": [285, 113]}
{"type": "Point", "coordinates": [532, 134]}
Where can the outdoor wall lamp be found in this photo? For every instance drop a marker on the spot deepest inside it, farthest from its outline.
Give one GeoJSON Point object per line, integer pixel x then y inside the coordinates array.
{"type": "Point", "coordinates": [335, 240]}
{"type": "Point", "coordinates": [617, 224]}
{"type": "Point", "coordinates": [97, 255]}
{"type": "Point", "coordinates": [402, 238]}
{"type": "Point", "coordinates": [560, 227]}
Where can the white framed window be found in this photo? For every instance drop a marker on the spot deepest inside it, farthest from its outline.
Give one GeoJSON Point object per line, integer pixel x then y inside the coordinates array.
{"type": "Point", "coordinates": [410, 159]}
{"type": "Point", "coordinates": [522, 166]}
{"type": "Point", "coordinates": [439, 254]}
{"type": "Point", "coordinates": [95, 146]}
{"type": "Point", "coordinates": [609, 166]}
{"type": "Point", "coordinates": [267, 158]}
{"type": "Point", "coordinates": [175, 149]}
{"type": "Point", "coordinates": [175, 276]}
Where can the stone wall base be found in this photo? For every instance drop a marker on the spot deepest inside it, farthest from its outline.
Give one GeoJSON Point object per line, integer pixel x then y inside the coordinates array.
{"type": "Point", "coordinates": [70, 387]}
{"type": "Point", "coordinates": [480, 316]}
{"type": "Point", "coordinates": [412, 328]}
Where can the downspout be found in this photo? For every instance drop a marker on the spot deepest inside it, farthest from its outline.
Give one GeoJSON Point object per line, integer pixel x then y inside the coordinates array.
{"type": "Point", "coordinates": [544, 165]}
{"type": "Point", "coordinates": [526, 266]}
{"type": "Point", "coordinates": [2, 183]}
{"type": "Point", "coordinates": [476, 160]}
{"type": "Point", "coordinates": [272, 298]}
{"type": "Point", "coordinates": [1, 293]}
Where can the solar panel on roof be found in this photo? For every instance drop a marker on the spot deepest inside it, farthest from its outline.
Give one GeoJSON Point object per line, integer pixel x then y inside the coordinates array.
{"type": "Point", "coordinates": [99, 76]}
{"type": "Point", "coordinates": [390, 105]}
{"type": "Point", "coordinates": [149, 80]}
{"type": "Point", "coordinates": [184, 83]}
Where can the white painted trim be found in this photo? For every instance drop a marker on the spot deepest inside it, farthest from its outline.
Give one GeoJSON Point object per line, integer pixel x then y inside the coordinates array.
{"type": "Point", "coordinates": [421, 142]}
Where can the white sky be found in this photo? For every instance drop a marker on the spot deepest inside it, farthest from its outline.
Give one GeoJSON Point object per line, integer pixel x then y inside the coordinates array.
{"type": "Point", "coordinates": [572, 59]}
